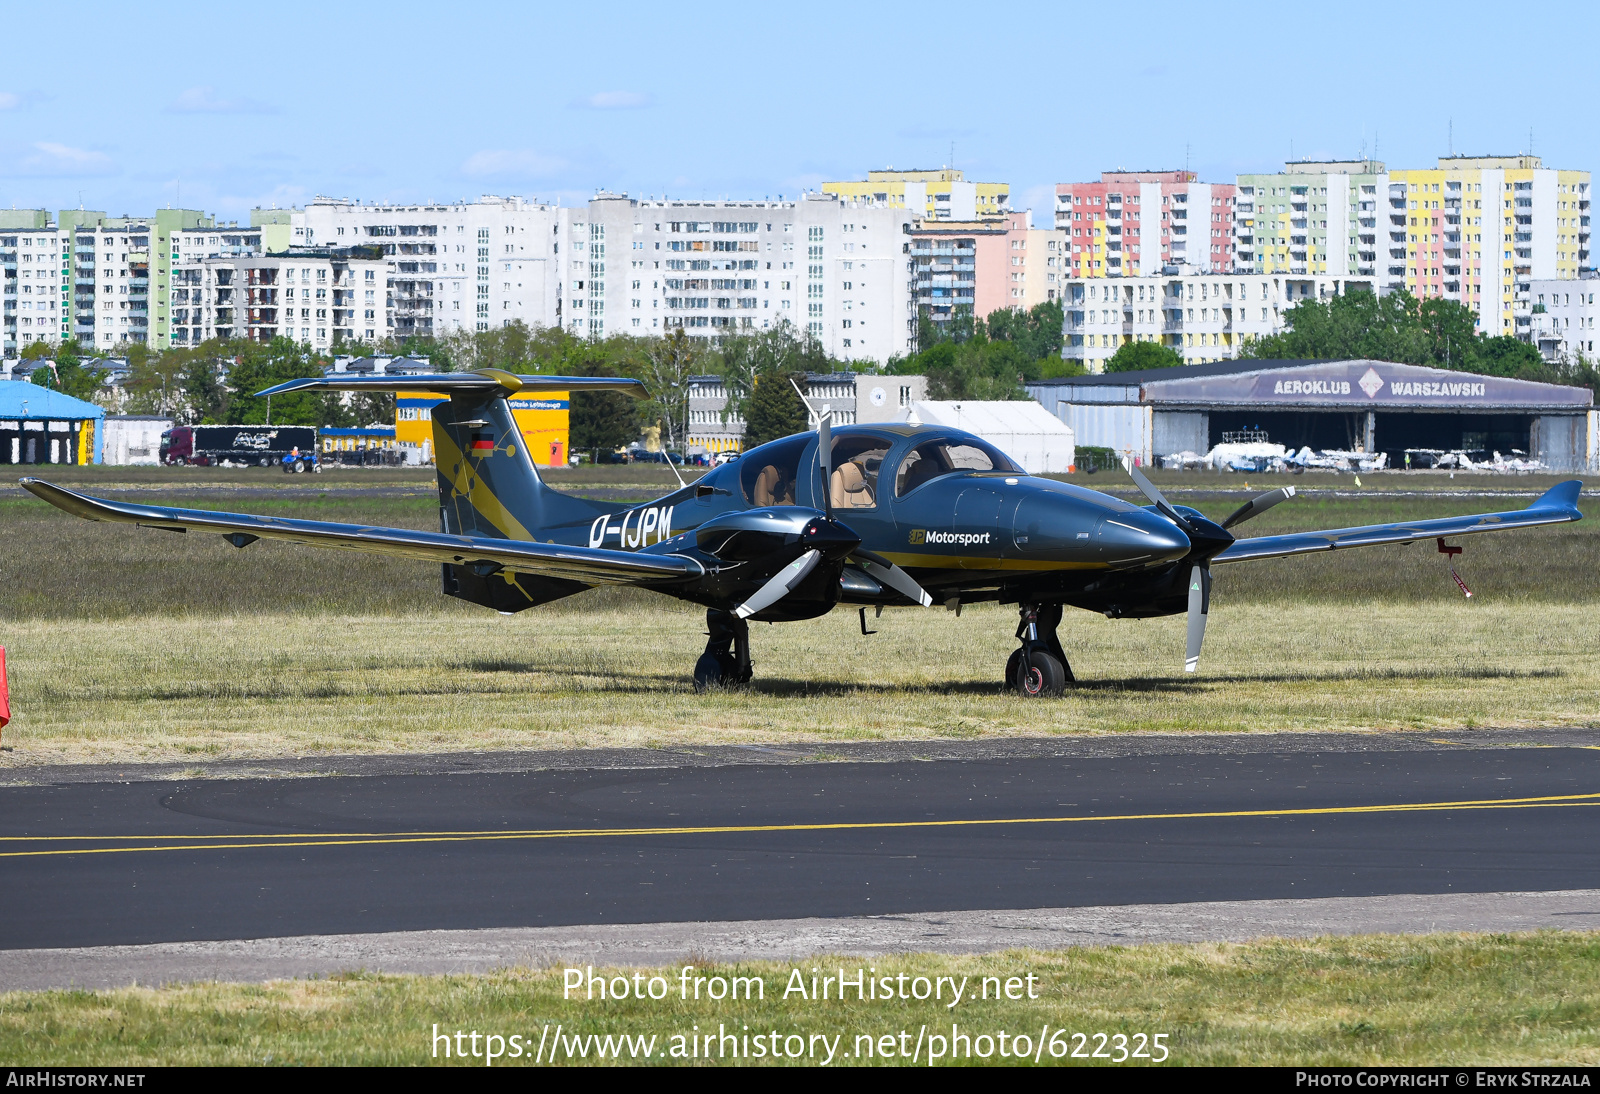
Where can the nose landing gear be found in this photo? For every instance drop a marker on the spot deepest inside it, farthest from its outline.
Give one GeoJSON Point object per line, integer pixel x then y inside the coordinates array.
{"type": "Point", "coordinates": [1039, 667]}
{"type": "Point", "coordinates": [726, 660]}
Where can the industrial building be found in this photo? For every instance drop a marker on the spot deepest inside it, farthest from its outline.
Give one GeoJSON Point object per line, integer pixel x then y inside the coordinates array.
{"type": "Point", "coordinates": [133, 439]}
{"type": "Point", "coordinates": [1021, 428]}
{"type": "Point", "coordinates": [1370, 406]}
{"type": "Point", "coordinates": [38, 425]}
{"type": "Point", "coordinates": [853, 397]}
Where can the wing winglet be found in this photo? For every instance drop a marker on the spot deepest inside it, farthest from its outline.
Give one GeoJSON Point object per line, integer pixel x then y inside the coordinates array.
{"type": "Point", "coordinates": [1558, 505]}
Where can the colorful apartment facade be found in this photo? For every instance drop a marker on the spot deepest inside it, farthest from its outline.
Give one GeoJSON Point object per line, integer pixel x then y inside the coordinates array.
{"type": "Point", "coordinates": [985, 266]}
{"type": "Point", "coordinates": [1137, 223]}
{"type": "Point", "coordinates": [1315, 217]}
{"type": "Point", "coordinates": [1476, 228]}
{"type": "Point", "coordinates": [944, 194]}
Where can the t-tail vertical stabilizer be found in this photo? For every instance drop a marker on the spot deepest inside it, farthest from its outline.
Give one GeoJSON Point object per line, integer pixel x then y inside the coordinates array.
{"type": "Point", "coordinates": [488, 486]}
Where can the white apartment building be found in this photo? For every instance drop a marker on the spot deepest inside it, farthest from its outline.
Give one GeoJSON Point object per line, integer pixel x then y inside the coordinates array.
{"type": "Point", "coordinates": [463, 266]}
{"type": "Point", "coordinates": [1558, 316]}
{"type": "Point", "coordinates": [853, 397]}
{"type": "Point", "coordinates": [318, 296]}
{"type": "Point", "coordinates": [111, 284]}
{"type": "Point", "coordinates": [833, 268]}
{"type": "Point", "coordinates": [1203, 317]}
{"type": "Point", "coordinates": [37, 301]}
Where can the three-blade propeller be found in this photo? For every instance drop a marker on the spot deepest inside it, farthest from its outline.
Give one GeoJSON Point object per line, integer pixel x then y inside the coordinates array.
{"type": "Point", "coordinates": [1208, 544]}
{"type": "Point", "coordinates": [874, 565]}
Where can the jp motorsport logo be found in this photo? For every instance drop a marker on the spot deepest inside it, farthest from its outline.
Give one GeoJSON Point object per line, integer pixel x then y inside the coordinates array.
{"type": "Point", "coordinates": [961, 539]}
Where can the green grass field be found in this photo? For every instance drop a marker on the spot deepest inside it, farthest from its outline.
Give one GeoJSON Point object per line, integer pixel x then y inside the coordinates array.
{"type": "Point", "coordinates": [1436, 999]}
{"type": "Point", "coordinates": [134, 644]}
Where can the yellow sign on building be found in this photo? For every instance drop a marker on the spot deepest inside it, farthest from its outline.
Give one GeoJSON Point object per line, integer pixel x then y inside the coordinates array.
{"type": "Point", "coordinates": [544, 422]}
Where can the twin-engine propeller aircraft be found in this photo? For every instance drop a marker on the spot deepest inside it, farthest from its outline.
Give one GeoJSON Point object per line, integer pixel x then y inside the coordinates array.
{"type": "Point", "coordinates": [871, 516]}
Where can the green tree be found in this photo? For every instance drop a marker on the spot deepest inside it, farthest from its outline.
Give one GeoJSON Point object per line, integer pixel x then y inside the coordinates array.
{"type": "Point", "coordinates": [81, 380]}
{"type": "Point", "coordinates": [775, 409]}
{"type": "Point", "coordinates": [258, 366]}
{"type": "Point", "coordinates": [36, 351]}
{"type": "Point", "coordinates": [1504, 355]}
{"type": "Point", "coordinates": [205, 395]}
{"type": "Point", "coordinates": [1133, 356]}
{"type": "Point", "coordinates": [665, 365]}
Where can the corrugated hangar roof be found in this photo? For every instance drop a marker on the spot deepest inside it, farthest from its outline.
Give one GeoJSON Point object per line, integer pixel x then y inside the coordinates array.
{"type": "Point", "coordinates": [1314, 385]}
{"type": "Point", "coordinates": [25, 399]}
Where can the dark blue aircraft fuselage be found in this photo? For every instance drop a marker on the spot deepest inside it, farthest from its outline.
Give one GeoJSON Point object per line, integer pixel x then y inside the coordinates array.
{"type": "Point", "coordinates": [958, 515]}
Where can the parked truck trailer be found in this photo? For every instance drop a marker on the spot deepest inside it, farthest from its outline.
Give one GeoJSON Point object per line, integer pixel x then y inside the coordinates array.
{"type": "Point", "coordinates": [250, 445]}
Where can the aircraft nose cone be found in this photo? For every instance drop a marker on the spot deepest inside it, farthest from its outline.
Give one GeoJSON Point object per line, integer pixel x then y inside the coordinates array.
{"type": "Point", "coordinates": [1141, 538]}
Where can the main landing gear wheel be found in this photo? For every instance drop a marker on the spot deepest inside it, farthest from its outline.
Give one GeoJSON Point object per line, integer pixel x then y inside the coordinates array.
{"type": "Point", "coordinates": [1039, 667]}
{"type": "Point", "coordinates": [726, 660]}
{"type": "Point", "coordinates": [1042, 676]}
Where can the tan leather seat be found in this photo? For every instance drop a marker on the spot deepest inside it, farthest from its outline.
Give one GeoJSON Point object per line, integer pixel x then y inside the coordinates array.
{"type": "Point", "coordinates": [766, 483]}
{"type": "Point", "coordinates": [848, 488]}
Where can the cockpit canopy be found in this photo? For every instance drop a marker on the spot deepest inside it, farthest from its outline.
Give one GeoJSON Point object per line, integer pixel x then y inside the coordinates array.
{"type": "Point", "coordinates": [773, 473]}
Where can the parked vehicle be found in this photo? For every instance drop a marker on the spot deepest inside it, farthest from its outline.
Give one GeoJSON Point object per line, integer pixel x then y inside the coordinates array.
{"type": "Point", "coordinates": [296, 462]}
{"type": "Point", "coordinates": [244, 445]}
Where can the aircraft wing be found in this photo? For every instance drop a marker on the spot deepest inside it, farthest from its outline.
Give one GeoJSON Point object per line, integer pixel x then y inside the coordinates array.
{"type": "Point", "coordinates": [1557, 505]}
{"type": "Point", "coordinates": [591, 566]}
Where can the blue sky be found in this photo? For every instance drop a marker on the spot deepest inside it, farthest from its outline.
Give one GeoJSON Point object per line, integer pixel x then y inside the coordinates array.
{"type": "Point", "coordinates": [226, 106]}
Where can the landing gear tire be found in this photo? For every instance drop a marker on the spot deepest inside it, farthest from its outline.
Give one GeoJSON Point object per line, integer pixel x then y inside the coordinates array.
{"type": "Point", "coordinates": [1040, 675]}
{"type": "Point", "coordinates": [1013, 667]}
{"type": "Point", "coordinates": [726, 660]}
{"type": "Point", "coordinates": [709, 672]}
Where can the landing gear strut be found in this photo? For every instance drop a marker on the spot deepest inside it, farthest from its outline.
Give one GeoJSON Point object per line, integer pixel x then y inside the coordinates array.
{"type": "Point", "coordinates": [1039, 667]}
{"type": "Point", "coordinates": [726, 661]}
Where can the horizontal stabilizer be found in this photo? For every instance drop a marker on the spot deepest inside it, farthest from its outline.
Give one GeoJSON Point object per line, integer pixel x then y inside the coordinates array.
{"type": "Point", "coordinates": [487, 381]}
{"type": "Point", "coordinates": [1558, 505]}
{"type": "Point", "coordinates": [591, 566]}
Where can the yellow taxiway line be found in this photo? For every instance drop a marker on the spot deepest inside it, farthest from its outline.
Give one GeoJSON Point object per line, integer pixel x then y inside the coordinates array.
{"type": "Point", "coordinates": [348, 839]}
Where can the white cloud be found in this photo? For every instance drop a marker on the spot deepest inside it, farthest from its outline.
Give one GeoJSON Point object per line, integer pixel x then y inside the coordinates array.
{"type": "Point", "coordinates": [51, 159]}
{"type": "Point", "coordinates": [9, 100]}
{"type": "Point", "coordinates": [204, 100]}
{"type": "Point", "coordinates": [614, 100]}
{"type": "Point", "coordinates": [512, 163]}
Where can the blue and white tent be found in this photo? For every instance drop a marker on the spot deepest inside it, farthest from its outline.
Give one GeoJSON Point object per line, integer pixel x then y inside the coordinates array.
{"type": "Point", "coordinates": [38, 425]}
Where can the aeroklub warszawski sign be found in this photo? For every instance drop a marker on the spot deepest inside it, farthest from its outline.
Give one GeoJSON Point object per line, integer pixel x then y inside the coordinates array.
{"type": "Point", "coordinates": [1367, 385]}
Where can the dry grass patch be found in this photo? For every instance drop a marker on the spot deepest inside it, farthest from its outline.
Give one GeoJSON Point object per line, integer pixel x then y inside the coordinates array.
{"type": "Point", "coordinates": [1452, 999]}
{"type": "Point", "coordinates": [162, 688]}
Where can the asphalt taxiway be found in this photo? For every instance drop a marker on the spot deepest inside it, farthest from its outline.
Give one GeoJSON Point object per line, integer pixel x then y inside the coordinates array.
{"type": "Point", "coordinates": [987, 830]}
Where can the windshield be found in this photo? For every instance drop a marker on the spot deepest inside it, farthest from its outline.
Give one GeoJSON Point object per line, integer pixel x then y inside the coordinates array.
{"type": "Point", "coordinates": [767, 474]}
{"type": "Point", "coordinates": [927, 462]}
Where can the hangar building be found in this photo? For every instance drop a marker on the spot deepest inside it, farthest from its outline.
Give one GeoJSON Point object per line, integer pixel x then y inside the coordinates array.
{"type": "Point", "coordinates": [38, 425]}
{"type": "Point", "coordinates": [1369, 405]}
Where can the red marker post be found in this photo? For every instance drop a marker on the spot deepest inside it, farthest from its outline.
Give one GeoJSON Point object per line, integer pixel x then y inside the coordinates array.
{"type": "Point", "coordinates": [5, 692]}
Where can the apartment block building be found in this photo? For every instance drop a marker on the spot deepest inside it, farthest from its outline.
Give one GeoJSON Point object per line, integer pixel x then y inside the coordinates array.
{"type": "Point", "coordinates": [1203, 317]}
{"type": "Point", "coordinates": [1314, 217]}
{"type": "Point", "coordinates": [1138, 223]}
{"type": "Point", "coordinates": [35, 274]}
{"type": "Point", "coordinates": [985, 265]}
{"type": "Point", "coordinates": [1478, 229]}
{"type": "Point", "coordinates": [833, 268]}
{"type": "Point", "coordinates": [319, 296]}
{"type": "Point", "coordinates": [466, 266]}
{"type": "Point", "coordinates": [852, 397]}
{"type": "Point", "coordinates": [1558, 316]}
{"type": "Point", "coordinates": [944, 194]}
